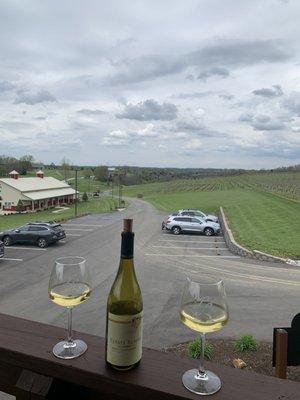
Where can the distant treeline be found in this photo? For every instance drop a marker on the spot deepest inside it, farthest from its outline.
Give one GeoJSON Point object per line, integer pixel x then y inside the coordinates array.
{"type": "Point", "coordinates": [22, 164]}
{"type": "Point", "coordinates": [130, 175]}
{"type": "Point", "coordinates": [138, 175]}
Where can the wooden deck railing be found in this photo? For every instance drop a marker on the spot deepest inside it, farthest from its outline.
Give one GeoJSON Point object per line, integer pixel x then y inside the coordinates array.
{"type": "Point", "coordinates": [28, 370]}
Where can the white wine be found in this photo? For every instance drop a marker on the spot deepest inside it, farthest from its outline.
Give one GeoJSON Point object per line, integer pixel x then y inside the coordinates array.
{"type": "Point", "coordinates": [69, 294]}
{"type": "Point", "coordinates": [124, 310]}
{"type": "Point", "coordinates": [204, 317]}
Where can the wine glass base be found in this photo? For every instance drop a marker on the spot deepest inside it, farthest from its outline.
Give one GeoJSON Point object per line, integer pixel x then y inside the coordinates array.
{"type": "Point", "coordinates": [66, 351]}
{"type": "Point", "coordinates": [210, 384]}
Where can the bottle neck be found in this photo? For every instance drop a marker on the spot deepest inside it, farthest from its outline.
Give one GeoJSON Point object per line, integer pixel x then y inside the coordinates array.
{"type": "Point", "coordinates": [127, 245]}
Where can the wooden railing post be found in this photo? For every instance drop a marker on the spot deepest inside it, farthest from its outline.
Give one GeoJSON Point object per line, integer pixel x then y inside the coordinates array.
{"type": "Point", "coordinates": [281, 353]}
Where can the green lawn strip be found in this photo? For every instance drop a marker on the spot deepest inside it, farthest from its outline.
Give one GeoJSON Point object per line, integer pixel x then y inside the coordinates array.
{"type": "Point", "coordinates": [259, 220]}
{"type": "Point", "coordinates": [95, 206]}
{"type": "Point", "coordinates": [85, 185]}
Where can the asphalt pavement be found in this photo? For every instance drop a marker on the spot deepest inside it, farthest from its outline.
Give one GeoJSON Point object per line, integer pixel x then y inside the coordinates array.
{"type": "Point", "coordinates": [260, 295]}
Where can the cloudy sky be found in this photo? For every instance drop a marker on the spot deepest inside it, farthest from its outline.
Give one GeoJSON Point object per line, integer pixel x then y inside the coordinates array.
{"type": "Point", "coordinates": [194, 83]}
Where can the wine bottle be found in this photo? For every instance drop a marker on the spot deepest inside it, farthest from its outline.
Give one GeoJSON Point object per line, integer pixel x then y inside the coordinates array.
{"type": "Point", "coordinates": [124, 317]}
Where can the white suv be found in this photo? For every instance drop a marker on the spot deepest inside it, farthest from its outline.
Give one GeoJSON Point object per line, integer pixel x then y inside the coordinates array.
{"type": "Point", "coordinates": [198, 213]}
{"type": "Point", "coordinates": [180, 224]}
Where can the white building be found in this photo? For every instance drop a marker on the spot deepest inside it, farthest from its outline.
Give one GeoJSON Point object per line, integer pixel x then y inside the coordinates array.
{"type": "Point", "coordinates": [37, 193]}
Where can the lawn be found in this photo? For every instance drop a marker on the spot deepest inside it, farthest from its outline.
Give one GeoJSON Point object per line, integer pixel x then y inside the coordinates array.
{"type": "Point", "coordinates": [259, 220]}
{"type": "Point", "coordinates": [94, 206]}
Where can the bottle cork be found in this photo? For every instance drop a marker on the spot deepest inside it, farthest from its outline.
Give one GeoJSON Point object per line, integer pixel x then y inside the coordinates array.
{"type": "Point", "coordinates": [127, 225]}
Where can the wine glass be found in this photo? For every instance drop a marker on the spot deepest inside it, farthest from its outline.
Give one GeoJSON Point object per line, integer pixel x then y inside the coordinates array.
{"type": "Point", "coordinates": [203, 309]}
{"type": "Point", "coordinates": [69, 286]}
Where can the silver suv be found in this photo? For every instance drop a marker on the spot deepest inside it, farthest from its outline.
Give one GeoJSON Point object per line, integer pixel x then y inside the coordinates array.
{"type": "Point", "coordinates": [198, 213]}
{"type": "Point", "coordinates": [180, 224]}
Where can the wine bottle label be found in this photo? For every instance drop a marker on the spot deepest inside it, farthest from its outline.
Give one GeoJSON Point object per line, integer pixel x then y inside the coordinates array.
{"type": "Point", "coordinates": [124, 339]}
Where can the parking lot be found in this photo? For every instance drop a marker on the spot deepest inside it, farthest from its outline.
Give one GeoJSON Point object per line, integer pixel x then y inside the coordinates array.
{"type": "Point", "coordinates": [188, 246]}
{"type": "Point", "coordinates": [80, 228]}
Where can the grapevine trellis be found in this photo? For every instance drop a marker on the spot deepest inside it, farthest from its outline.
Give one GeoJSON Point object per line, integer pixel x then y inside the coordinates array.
{"type": "Point", "coordinates": [283, 184]}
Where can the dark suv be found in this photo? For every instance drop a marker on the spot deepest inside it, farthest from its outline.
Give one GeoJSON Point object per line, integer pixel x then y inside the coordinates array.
{"type": "Point", "coordinates": [39, 233]}
{"type": "Point", "coordinates": [1, 249]}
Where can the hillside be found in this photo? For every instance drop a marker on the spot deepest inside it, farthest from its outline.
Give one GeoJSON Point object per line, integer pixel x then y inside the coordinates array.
{"type": "Point", "coordinates": [285, 184]}
{"type": "Point", "coordinates": [263, 210]}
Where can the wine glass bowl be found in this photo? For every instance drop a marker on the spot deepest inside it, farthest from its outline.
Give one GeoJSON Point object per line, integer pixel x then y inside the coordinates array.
{"type": "Point", "coordinates": [203, 309]}
{"type": "Point", "coordinates": [69, 286]}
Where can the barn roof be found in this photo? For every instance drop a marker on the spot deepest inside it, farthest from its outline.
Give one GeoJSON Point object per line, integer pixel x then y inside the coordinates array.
{"type": "Point", "coordinates": [31, 184]}
{"type": "Point", "coordinates": [47, 194]}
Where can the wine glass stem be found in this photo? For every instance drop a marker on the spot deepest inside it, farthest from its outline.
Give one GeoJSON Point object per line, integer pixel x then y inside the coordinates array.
{"type": "Point", "coordinates": [70, 339]}
{"type": "Point", "coordinates": [201, 372]}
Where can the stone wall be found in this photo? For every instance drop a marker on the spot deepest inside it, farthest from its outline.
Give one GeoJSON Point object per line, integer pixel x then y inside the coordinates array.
{"type": "Point", "coordinates": [236, 248]}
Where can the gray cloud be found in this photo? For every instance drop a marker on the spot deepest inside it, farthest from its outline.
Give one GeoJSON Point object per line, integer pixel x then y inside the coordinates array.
{"type": "Point", "coordinates": [88, 112]}
{"type": "Point", "coordinates": [226, 96]}
{"type": "Point", "coordinates": [145, 68]}
{"type": "Point", "coordinates": [214, 71]}
{"type": "Point", "coordinates": [261, 122]}
{"type": "Point", "coordinates": [194, 95]}
{"type": "Point", "coordinates": [292, 103]}
{"type": "Point", "coordinates": [195, 127]}
{"type": "Point", "coordinates": [241, 52]}
{"type": "Point", "coordinates": [275, 92]}
{"type": "Point", "coordinates": [229, 53]}
{"type": "Point", "coordinates": [5, 86]}
{"type": "Point", "coordinates": [149, 110]}
{"type": "Point", "coordinates": [42, 96]}
{"type": "Point", "coordinates": [40, 118]}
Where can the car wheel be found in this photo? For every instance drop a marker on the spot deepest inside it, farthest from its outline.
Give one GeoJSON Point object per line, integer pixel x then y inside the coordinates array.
{"type": "Point", "coordinates": [42, 242]}
{"type": "Point", "coordinates": [208, 232]}
{"type": "Point", "coordinates": [7, 241]}
{"type": "Point", "coordinates": [176, 230]}
{"type": "Point", "coordinates": [163, 226]}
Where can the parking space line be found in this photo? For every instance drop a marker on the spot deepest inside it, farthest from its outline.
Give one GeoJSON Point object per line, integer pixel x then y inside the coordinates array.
{"type": "Point", "coordinates": [241, 275]}
{"type": "Point", "coordinates": [11, 259]}
{"type": "Point", "coordinates": [192, 248]}
{"type": "Point", "coordinates": [73, 234]}
{"type": "Point", "coordinates": [79, 229]}
{"type": "Point", "coordinates": [82, 225]}
{"type": "Point", "coordinates": [191, 241]}
{"type": "Point", "coordinates": [189, 255]}
{"type": "Point", "coordinates": [24, 248]}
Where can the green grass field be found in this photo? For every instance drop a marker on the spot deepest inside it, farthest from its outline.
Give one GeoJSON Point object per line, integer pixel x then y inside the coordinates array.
{"type": "Point", "coordinates": [284, 184]}
{"type": "Point", "coordinates": [94, 206]}
{"type": "Point", "coordinates": [259, 220]}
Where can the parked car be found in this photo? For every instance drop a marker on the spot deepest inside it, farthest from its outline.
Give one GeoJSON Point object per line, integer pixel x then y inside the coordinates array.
{"type": "Point", "coordinates": [163, 224]}
{"type": "Point", "coordinates": [179, 224]}
{"type": "Point", "coordinates": [39, 233]}
{"type": "Point", "coordinates": [198, 213]}
{"type": "Point", "coordinates": [1, 249]}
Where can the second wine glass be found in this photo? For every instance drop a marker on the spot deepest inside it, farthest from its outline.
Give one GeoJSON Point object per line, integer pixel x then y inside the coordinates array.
{"type": "Point", "coordinates": [203, 309]}
{"type": "Point", "coordinates": [69, 286]}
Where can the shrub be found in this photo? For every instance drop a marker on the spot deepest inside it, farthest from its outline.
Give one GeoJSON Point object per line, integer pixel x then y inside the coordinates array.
{"type": "Point", "coordinates": [20, 206]}
{"type": "Point", "coordinates": [85, 197]}
{"type": "Point", "coordinates": [246, 343]}
{"type": "Point", "coordinates": [194, 349]}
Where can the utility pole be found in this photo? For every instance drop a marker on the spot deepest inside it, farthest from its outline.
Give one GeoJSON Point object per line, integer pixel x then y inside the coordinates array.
{"type": "Point", "coordinates": [119, 189]}
{"type": "Point", "coordinates": [76, 193]}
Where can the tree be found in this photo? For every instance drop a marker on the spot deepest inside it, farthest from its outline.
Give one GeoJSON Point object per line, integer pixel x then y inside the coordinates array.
{"type": "Point", "coordinates": [65, 166]}
{"type": "Point", "coordinates": [85, 197]}
{"type": "Point", "coordinates": [101, 173]}
{"type": "Point", "coordinates": [25, 164]}
{"type": "Point", "coordinates": [87, 173]}
{"type": "Point", "coordinates": [20, 206]}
